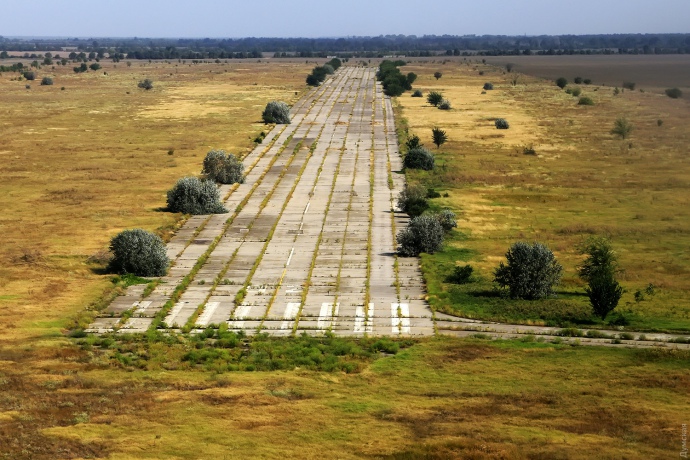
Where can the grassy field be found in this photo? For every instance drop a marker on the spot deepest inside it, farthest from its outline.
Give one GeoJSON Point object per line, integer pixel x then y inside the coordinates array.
{"type": "Point", "coordinates": [582, 181]}
{"type": "Point", "coordinates": [82, 163]}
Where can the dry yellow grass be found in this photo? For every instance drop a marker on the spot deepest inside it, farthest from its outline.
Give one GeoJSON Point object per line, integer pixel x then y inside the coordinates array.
{"type": "Point", "coordinates": [81, 164]}
{"type": "Point", "coordinates": [582, 180]}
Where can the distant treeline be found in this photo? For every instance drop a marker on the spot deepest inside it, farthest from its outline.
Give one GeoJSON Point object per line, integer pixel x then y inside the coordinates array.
{"type": "Point", "coordinates": [370, 47]}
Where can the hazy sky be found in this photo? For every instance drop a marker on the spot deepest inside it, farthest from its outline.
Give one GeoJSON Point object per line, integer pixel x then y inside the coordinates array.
{"type": "Point", "coordinates": [329, 18]}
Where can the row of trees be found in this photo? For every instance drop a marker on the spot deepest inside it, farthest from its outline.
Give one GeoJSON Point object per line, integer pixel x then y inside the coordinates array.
{"type": "Point", "coordinates": [319, 73]}
{"type": "Point", "coordinates": [252, 47]}
{"type": "Point", "coordinates": [393, 81]}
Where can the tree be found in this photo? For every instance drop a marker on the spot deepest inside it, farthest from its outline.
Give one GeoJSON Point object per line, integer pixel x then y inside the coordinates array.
{"type": "Point", "coordinates": [276, 112]}
{"type": "Point", "coordinates": [622, 127]}
{"type": "Point", "coordinates": [419, 158]}
{"type": "Point", "coordinates": [447, 219]}
{"type": "Point", "coordinates": [531, 272]}
{"type": "Point", "coordinates": [412, 199]}
{"type": "Point", "coordinates": [145, 84]}
{"type": "Point", "coordinates": [437, 75]}
{"type": "Point", "coordinates": [413, 142]}
{"type": "Point", "coordinates": [674, 93]}
{"type": "Point", "coordinates": [434, 98]}
{"type": "Point", "coordinates": [223, 168]}
{"type": "Point", "coordinates": [82, 68]}
{"type": "Point", "coordinates": [193, 196]}
{"type": "Point", "coordinates": [95, 66]}
{"type": "Point", "coordinates": [424, 234]}
{"type": "Point", "coordinates": [439, 136]}
{"type": "Point", "coordinates": [138, 252]}
{"type": "Point", "coordinates": [599, 270]}
{"type": "Point", "coordinates": [561, 82]}
{"type": "Point", "coordinates": [411, 77]}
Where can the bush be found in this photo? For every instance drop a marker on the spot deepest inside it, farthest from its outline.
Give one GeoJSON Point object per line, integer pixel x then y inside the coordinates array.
{"type": "Point", "coordinates": [434, 98]}
{"type": "Point", "coordinates": [417, 93]}
{"type": "Point", "coordinates": [312, 80]}
{"type": "Point", "coordinates": [30, 76]}
{"type": "Point", "coordinates": [437, 75]}
{"type": "Point", "coordinates": [223, 168]}
{"type": "Point", "coordinates": [419, 158]}
{"type": "Point", "coordinates": [576, 92]}
{"type": "Point", "coordinates": [585, 100]}
{"type": "Point", "coordinates": [629, 85]}
{"type": "Point", "coordinates": [393, 81]}
{"type": "Point", "coordinates": [95, 66]}
{"type": "Point", "coordinates": [412, 200]}
{"type": "Point", "coordinates": [444, 104]}
{"type": "Point", "coordinates": [447, 219]}
{"type": "Point", "coordinates": [599, 270]}
{"type": "Point", "coordinates": [276, 112]}
{"type": "Point", "coordinates": [622, 127]}
{"type": "Point", "coordinates": [531, 273]}
{"type": "Point", "coordinates": [488, 86]}
{"type": "Point", "coordinates": [145, 84]}
{"type": "Point", "coordinates": [587, 81]}
{"type": "Point", "coordinates": [674, 93]}
{"type": "Point", "coordinates": [138, 252]}
{"type": "Point", "coordinates": [460, 275]}
{"type": "Point", "coordinates": [577, 80]}
{"type": "Point", "coordinates": [193, 196]}
{"type": "Point", "coordinates": [82, 68]}
{"type": "Point", "coordinates": [561, 82]}
{"type": "Point", "coordinates": [46, 81]}
{"type": "Point", "coordinates": [438, 136]}
{"type": "Point", "coordinates": [501, 123]}
{"type": "Point", "coordinates": [413, 142]}
{"type": "Point", "coordinates": [424, 234]}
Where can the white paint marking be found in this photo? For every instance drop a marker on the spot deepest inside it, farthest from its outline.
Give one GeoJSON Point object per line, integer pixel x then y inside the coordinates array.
{"type": "Point", "coordinates": [290, 257]}
{"type": "Point", "coordinates": [240, 313]}
{"type": "Point", "coordinates": [405, 318]}
{"type": "Point", "coordinates": [170, 319]}
{"type": "Point", "coordinates": [326, 315]}
{"type": "Point", "coordinates": [359, 320]}
{"type": "Point", "coordinates": [141, 306]}
{"type": "Point", "coordinates": [205, 317]}
{"type": "Point", "coordinates": [395, 321]}
{"type": "Point", "coordinates": [307, 208]}
{"type": "Point", "coordinates": [290, 314]}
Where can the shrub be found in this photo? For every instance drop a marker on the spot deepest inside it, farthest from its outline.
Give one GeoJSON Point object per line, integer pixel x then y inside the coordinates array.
{"type": "Point", "coordinates": [629, 85]}
{"type": "Point", "coordinates": [412, 200]}
{"type": "Point", "coordinates": [223, 168]}
{"type": "Point", "coordinates": [417, 93]}
{"type": "Point", "coordinates": [488, 86]}
{"type": "Point", "coordinates": [424, 234]}
{"type": "Point", "coordinates": [674, 93]}
{"type": "Point", "coordinates": [95, 66]}
{"type": "Point", "coordinates": [393, 81]}
{"type": "Point", "coordinates": [444, 104]}
{"type": "Point", "coordinates": [312, 80]}
{"type": "Point", "coordinates": [138, 252]}
{"type": "Point", "coordinates": [447, 219]}
{"type": "Point", "coordinates": [30, 76]}
{"type": "Point", "coordinates": [193, 196]}
{"type": "Point", "coordinates": [328, 69]}
{"type": "Point", "coordinates": [599, 270]}
{"type": "Point", "coordinates": [419, 158]}
{"type": "Point", "coordinates": [622, 127]}
{"type": "Point", "coordinates": [561, 82]}
{"type": "Point", "coordinates": [531, 273]}
{"type": "Point", "coordinates": [145, 84]}
{"type": "Point", "coordinates": [460, 275]}
{"type": "Point", "coordinates": [276, 112]}
{"type": "Point", "coordinates": [413, 142]}
{"type": "Point", "coordinates": [577, 80]}
{"type": "Point", "coordinates": [82, 68]}
{"type": "Point", "coordinates": [587, 81]}
{"type": "Point", "coordinates": [46, 81]}
{"type": "Point", "coordinates": [438, 136]}
{"type": "Point", "coordinates": [501, 123]}
{"type": "Point", "coordinates": [434, 98]}
{"type": "Point", "coordinates": [576, 92]}
{"type": "Point", "coordinates": [585, 100]}
{"type": "Point", "coordinates": [437, 75]}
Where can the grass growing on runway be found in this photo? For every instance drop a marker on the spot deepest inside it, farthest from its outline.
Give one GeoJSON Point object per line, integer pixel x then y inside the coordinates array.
{"type": "Point", "coordinates": [436, 398]}
{"type": "Point", "coordinates": [581, 181]}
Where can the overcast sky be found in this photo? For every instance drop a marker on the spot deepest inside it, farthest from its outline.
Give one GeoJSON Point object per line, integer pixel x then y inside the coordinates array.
{"type": "Point", "coordinates": [337, 18]}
